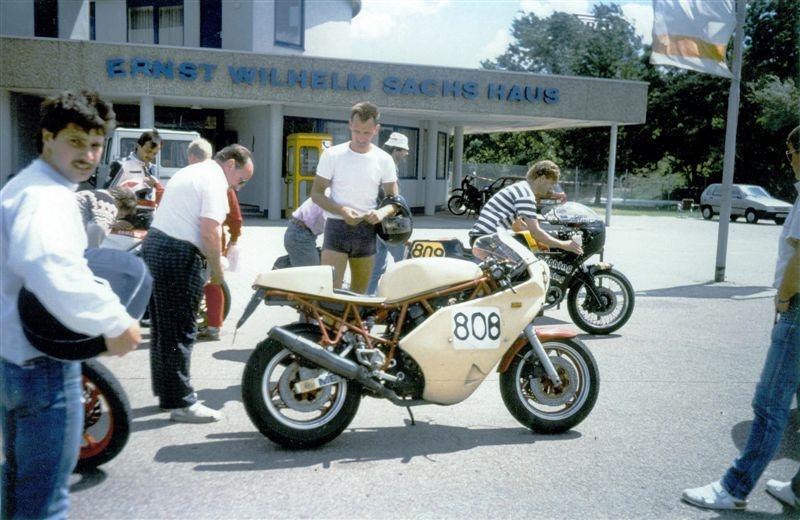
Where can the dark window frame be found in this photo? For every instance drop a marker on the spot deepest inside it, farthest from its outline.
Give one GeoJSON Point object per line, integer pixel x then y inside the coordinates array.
{"type": "Point", "coordinates": [45, 18]}
{"type": "Point", "coordinates": [299, 42]}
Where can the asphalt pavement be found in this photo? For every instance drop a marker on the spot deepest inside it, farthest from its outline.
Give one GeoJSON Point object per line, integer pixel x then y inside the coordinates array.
{"type": "Point", "coordinates": [673, 410]}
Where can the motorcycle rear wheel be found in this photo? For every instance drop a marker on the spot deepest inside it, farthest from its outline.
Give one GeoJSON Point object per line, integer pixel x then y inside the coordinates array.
{"type": "Point", "coordinates": [107, 416]}
{"type": "Point", "coordinates": [608, 314]}
{"type": "Point", "coordinates": [457, 205]}
{"type": "Point", "coordinates": [294, 419]}
{"type": "Point", "coordinates": [535, 402]}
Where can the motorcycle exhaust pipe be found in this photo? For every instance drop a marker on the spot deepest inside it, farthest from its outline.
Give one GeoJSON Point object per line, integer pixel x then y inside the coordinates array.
{"type": "Point", "coordinates": [330, 361]}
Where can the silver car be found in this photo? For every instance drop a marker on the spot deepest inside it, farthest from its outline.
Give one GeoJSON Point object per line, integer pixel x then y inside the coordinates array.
{"type": "Point", "coordinates": [748, 200]}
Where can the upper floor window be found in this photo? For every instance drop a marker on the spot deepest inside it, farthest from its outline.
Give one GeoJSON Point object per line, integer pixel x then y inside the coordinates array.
{"type": "Point", "coordinates": [45, 18]}
{"type": "Point", "coordinates": [289, 23]}
{"type": "Point", "coordinates": [155, 21]}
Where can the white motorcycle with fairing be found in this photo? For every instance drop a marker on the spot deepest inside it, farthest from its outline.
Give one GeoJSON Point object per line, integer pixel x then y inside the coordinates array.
{"type": "Point", "coordinates": [436, 329]}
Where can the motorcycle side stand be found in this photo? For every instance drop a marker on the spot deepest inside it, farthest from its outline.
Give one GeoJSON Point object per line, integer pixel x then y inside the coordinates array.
{"type": "Point", "coordinates": [538, 348]}
{"type": "Point", "coordinates": [411, 415]}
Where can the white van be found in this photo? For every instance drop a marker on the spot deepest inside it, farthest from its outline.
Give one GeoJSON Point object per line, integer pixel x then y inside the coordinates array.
{"type": "Point", "coordinates": [171, 158]}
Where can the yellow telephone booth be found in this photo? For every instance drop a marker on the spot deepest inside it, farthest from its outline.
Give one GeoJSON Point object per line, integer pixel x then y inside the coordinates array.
{"type": "Point", "coordinates": [302, 155]}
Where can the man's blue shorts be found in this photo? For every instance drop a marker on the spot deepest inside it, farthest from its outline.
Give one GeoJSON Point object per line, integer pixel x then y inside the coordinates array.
{"type": "Point", "coordinates": [357, 241]}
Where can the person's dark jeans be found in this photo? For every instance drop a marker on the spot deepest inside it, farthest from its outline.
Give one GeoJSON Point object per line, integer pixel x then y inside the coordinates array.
{"type": "Point", "coordinates": [42, 421]}
{"type": "Point", "coordinates": [777, 386]}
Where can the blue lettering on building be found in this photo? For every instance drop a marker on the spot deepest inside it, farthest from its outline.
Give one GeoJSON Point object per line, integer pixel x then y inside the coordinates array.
{"type": "Point", "coordinates": [430, 87]}
{"type": "Point", "coordinates": [315, 79]}
{"type": "Point", "coordinates": [551, 95]}
{"type": "Point", "coordinates": [156, 69]}
{"type": "Point", "coordinates": [118, 68]}
{"type": "Point", "coordinates": [522, 93]}
{"type": "Point", "coordinates": [299, 78]}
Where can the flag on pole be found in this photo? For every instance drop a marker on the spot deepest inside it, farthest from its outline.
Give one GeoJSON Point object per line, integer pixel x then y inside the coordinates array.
{"type": "Point", "coordinates": [693, 34]}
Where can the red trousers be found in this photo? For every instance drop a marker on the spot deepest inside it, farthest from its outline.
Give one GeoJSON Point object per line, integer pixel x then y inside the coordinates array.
{"type": "Point", "coordinates": [215, 303]}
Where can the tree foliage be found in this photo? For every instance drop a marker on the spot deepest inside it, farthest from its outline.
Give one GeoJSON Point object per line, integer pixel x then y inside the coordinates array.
{"type": "Point", "coordinates": [686, 113]}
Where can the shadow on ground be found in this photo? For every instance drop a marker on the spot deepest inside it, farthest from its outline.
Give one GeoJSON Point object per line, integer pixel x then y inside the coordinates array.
{"type": "Point", "coordinates": [710, 290]}
{"type": "Point", "coordinates": [250, 451]}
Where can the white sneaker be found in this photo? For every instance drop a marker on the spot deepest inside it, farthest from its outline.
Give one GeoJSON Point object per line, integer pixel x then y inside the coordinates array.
{"type": "Point", "coordinates": [713, 496]}
{"type": "Point", "coordinates": [197, 413]}
{"type": "Point", "coordinates": [782, 491]}
{"type": "Point", "coordinates": [208, 334]}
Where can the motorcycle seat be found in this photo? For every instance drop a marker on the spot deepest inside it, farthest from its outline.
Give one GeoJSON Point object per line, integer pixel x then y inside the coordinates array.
{"type": "Point", "coordinates": [315, 280]}
{"type": "Point", "coordinates": [415, 276]}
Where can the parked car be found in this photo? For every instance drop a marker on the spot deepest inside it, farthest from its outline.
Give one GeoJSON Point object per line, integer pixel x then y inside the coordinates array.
{"type": "Point", "coordinates": [747, 200]}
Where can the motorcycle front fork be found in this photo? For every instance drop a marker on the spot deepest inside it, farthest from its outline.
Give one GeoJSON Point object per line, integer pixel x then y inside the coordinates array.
{"type": "Point", "coordinates": [538, 349]}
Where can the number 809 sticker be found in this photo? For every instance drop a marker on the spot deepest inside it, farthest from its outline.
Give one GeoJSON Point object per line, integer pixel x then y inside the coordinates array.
{"type": "Point", "coordinates": [476, 328]}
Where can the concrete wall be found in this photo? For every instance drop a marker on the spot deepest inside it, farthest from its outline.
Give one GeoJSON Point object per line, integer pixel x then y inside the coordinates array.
{"type": "Point", "coordinates": [112, 21]}
{"type": "Point", "coordinates": [252, 125]}
{"type": "Point", "coordinates": [16, 18]}
{"type": "Point", "coordinates": [239, 17]}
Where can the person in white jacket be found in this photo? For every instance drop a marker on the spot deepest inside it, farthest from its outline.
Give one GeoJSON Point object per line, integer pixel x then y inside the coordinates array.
{"type": "Point", "coordinates": [42, 249]}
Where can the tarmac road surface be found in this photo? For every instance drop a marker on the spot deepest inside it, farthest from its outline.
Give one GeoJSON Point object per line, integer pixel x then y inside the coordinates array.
{"type": "Point", "coordinates": [673, 410]}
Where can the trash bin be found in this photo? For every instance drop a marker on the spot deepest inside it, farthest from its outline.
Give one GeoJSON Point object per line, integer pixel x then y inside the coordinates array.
{"type": "Point", "coordinates": [686, 204]}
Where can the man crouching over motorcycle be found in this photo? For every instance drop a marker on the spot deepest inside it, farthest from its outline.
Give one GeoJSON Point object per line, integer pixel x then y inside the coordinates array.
{"type": "Point", "coordinates": [514, 207]}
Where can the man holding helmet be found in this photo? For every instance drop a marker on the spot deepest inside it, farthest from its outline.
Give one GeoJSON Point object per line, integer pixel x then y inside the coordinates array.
{"type": "Point", "coordinates": [354, 171]}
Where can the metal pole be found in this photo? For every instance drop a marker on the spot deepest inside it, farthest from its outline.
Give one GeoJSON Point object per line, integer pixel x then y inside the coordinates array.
{"type": "Point", "coordinates": [458, 158]}
{"type": "Point", "coordinates": [274, 158]}
{"type": "Point", "coordinates": [612, 165]}
{"type": "Point", "coordinates": [431, 156]}
{"type": "Point", "coordinates": [730, 143]}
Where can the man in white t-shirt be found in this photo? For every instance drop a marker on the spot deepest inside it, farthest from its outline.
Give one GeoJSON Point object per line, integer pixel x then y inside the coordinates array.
{"type": "Point", "coordinates": [184, 239]}
{"type": "Point", "coordinates": [354, 171]}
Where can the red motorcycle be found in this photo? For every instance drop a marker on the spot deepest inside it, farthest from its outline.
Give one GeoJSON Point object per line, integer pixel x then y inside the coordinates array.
{"type": "Point", "coordinates": [107, 416]}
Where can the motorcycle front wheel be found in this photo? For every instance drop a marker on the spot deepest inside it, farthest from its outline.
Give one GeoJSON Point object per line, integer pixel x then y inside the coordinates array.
{"type": "Point", "coordinates": [457, 205]}
{"type": "Point", "coordinates": [107, 416]}
{"type": "Point", "coordinates": [607, 312]}
{"type": "Point", "coordinates": [536, 402]}
{"type": "Point", "coordinates": [289, 417]}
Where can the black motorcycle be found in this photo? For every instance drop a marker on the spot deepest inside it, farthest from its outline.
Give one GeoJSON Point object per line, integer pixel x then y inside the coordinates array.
{"type": "Point", "coordinates": [469, 198]}
{"type": "Point", "coordinates": [600, 299]}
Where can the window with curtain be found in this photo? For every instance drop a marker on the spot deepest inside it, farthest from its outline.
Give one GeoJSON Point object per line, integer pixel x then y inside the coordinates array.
{"type": "Point", "coordinates": [155, 21]}
{"type": "Point", "coordinates": [170, 25]}
{"type": "Point", "coordinates": [289, 23]}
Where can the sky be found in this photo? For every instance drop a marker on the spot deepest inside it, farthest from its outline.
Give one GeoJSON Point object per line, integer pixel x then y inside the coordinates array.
{"type": "Point", "coordinates": [461, 33]}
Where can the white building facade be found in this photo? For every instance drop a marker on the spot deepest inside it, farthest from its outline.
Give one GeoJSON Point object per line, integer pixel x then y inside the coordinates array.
{"type": "Point", "coordinates": [253, 72]}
